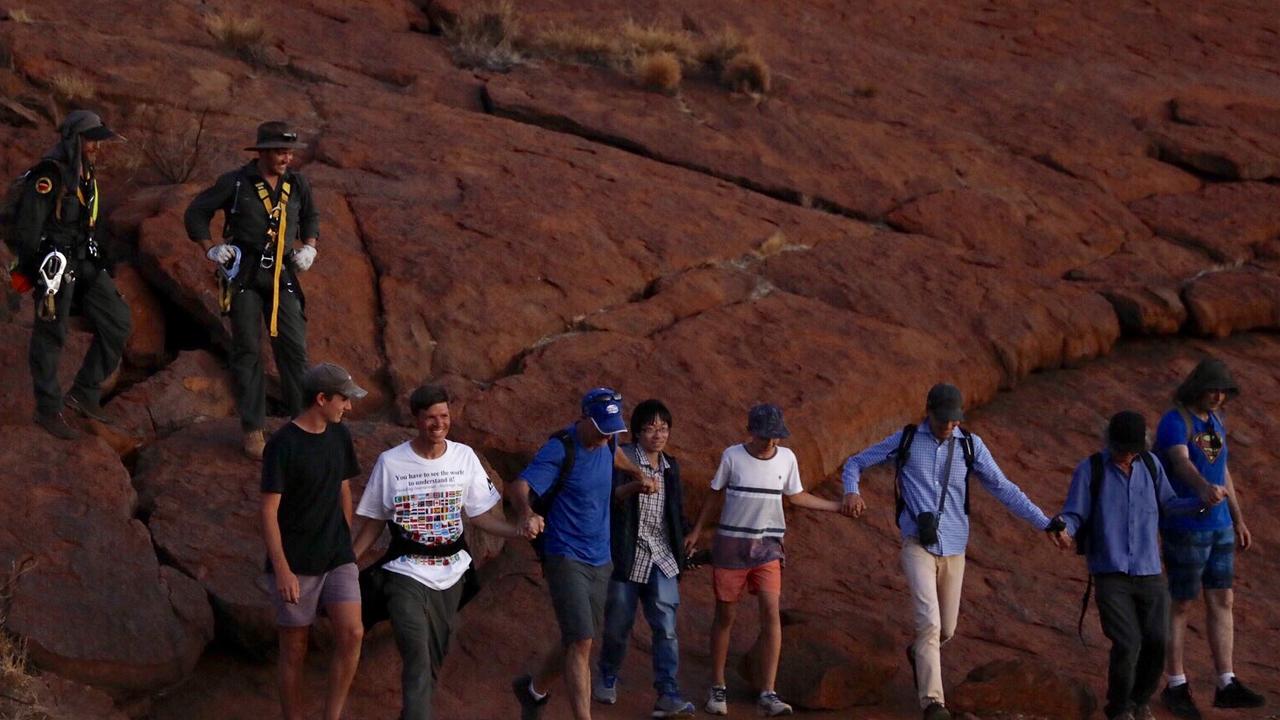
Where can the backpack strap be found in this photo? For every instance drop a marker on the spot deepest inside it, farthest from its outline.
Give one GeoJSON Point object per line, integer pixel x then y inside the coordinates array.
{"type": "Point", "coordinates": [1187, 420]}
{"type": "Point", "coordinates": [966, 444]}
{"type": "Point", "coordinates": [547, 499]}
{"type": "Point", "coordinates": [900, 457]}
{"type": "Point", "coordinates": [1096, 472]}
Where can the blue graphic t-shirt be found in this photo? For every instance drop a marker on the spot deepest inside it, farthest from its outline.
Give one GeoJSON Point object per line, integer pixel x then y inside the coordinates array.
{"type": "Point", "coordinates": [1207, 449]}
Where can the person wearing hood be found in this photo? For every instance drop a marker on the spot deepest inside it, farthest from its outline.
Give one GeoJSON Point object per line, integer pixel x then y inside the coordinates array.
{"type": "Point", "coordinates": [1199, 551]}
{"type": "Point", "coordinates": [54, 228]}
{"type": "Point", "coordinates": [269, 235]}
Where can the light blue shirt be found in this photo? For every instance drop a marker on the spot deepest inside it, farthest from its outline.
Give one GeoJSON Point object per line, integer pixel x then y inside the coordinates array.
{"type": "Point", "coordinates": [1124, 537]}
{"type": "Point", "coordinates": [922, 478]}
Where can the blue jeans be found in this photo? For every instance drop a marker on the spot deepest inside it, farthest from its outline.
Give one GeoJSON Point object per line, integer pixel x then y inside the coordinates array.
{"type": "Point", "coordinates": [661, 596]}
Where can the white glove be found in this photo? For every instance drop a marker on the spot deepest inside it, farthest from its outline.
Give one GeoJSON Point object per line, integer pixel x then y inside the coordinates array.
{"type": "Point", "coordinates": [303, 257]}
{"type": "Point", "coordinates": [220, 254]}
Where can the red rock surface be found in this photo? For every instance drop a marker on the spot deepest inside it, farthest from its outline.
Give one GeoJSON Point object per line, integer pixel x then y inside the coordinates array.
{"type": "Point", "coordinates": [967, 191]}
{"type": "Point", "coordinates": [98, 607]}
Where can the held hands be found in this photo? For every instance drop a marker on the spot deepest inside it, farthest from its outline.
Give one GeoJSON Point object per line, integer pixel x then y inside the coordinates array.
{"type": "Point", "coordinates": [220, 254]}
{"type": "Point", "coordinates": [691, 541]}
{"type": "Point", "coordinates": [530, 526]}
{"type": "Point", "coordinates": [1213, 494]}
{"type": "Point", "coordinates": [303, 257]}
{"type": "Point", "coordinates": [853, 506]}
{"type": "Point", "coordinates": [1057, 532]}
{"type": "Point", "coordinates": [287, 586]}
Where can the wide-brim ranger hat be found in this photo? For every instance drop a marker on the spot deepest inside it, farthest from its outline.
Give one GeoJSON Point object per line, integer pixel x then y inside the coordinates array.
{"type": "Point", "coordinates": [276, 135]}
{"type": "Point", "coordinates": [604, 406]}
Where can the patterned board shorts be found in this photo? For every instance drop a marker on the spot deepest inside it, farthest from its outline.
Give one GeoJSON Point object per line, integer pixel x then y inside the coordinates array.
{"type": "Point", "coordinates": [1199, 558]}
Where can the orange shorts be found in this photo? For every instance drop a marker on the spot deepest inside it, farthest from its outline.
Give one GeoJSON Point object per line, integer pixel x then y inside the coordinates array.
{"type": "Point", "coordinates": [729, 582]}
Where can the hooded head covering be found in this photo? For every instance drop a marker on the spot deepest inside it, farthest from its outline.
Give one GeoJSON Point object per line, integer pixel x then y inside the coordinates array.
{"type": "Point", "coordinates": [76, 127]}
{"type": "Point", "coordinates": [1210, 374]}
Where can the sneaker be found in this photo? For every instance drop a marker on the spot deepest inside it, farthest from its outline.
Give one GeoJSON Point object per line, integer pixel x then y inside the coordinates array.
{"type": "Point", "coordinates": [530, 707]}
{"type": "Point", "coordinates": [1236, 695]}
{"type": "Point", "coordinates": [604, 688]}
{"type": "Point", "coordinates": [717, 701]}
{"type": "Point", "coordinates": [1178, 700]}
{"type": "Point", "coordinates": [672, 706]}
{"type": "Point", "coordinates": [937, 711]}
{"type": "Point", "coordinates": [770, 705]}
{"type": "Point", "coordinates": [91, 410]}
{"type": "Point", "coordinates": [56, 425]}
{"type": "Point", "coordinates": [254, 444]}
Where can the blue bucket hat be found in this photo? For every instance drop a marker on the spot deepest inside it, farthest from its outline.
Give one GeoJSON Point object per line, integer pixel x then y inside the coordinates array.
{"type": "Point", "coordinates": [604, 406]}
{"type": "Point", "coordinates": [765, 420]}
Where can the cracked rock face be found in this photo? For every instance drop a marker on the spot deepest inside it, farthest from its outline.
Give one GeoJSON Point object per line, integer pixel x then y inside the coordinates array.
{"type": "Point", "coordinates": [974, 193]}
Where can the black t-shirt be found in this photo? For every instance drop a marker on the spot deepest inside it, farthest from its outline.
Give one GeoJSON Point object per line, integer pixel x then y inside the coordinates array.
{"type": "Point", "coordinates": [307, 469]}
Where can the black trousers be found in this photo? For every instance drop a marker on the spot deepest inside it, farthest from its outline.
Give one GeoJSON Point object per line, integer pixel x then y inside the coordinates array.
{"type": "Point", "coordinates": [250, 311]}
{"type": "Point", "coordinates": [1134, 610]}
{"type": "Point", "coordinates": [101, 304]}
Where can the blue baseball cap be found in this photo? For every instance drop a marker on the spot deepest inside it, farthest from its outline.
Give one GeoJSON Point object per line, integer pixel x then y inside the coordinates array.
{"type": "Point", "coordinates": [765, 420]}
{"type": "Point", "coordinates": [604, 406]}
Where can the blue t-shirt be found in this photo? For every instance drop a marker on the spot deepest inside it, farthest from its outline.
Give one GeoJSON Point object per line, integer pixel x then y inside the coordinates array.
{"type": "Point", "coordinates": [1208, 452]}
{"type": "Point", "coordinates": [578, 524]}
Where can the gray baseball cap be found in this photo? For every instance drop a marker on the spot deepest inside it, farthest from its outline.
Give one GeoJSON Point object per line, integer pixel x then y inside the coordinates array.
{"type": "Point", "coordinates": [331, 379]}
{"type": "Point", "coordinates": [945, 402]}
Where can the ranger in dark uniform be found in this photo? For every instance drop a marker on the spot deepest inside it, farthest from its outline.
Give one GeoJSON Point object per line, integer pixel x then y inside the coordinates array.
{"type": "Point", "coordinates": [53, 234]}
{"type": "Point", "coordinates": [269, 236]}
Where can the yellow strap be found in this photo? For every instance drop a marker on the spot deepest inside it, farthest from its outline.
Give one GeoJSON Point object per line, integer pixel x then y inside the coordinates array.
{"type": "Point", "coordinates": [93, 209]}
{"type": "Point", "coordinates": [283, 227]}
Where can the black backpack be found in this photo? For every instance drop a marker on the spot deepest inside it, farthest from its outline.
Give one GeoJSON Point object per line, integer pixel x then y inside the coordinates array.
{"type": "Point", "coordinates": [1084, 534]}
{"type": "Point", "coordinates": [903, 453]}
{"type": "Point", "coordinates": [12, 202]}
{"type": "Point", "coordinates": [542, 503]}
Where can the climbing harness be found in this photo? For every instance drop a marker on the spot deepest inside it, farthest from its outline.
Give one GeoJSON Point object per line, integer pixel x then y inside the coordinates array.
{"type": "Point", "coordinates": [273, 250]}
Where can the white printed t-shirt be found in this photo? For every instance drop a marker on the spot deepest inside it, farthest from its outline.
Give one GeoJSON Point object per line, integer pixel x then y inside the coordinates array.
{"type": "Point", "coordinates": [427, 498]}
{"type": "Point", "coordinates": [751, 523]}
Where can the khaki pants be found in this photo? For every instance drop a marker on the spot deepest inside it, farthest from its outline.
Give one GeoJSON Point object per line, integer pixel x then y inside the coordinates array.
{"type": "Point", "coordinates": [934, 583]}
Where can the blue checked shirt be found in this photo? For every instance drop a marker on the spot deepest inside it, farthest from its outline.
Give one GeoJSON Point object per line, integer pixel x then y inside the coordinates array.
{"type": "Point", "coordinates": [922, 484]}
{"type": "Point", "coordinates": [1125, 537]}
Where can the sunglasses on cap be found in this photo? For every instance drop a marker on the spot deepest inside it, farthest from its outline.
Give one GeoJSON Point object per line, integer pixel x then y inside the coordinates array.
{"type": "Point", "coordinates": [603, 397]}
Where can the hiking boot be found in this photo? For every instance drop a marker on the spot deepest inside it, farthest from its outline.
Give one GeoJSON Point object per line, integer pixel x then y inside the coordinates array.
{"type": "Point", "coordinates": [530, 706]}
{"type": "Point", "coordinates": [1143, 712]}
{"type": "Point", "coordinates": [91, 410]}
{"type": "Point", "coordinates": [1178, 700]}
{"type": "Point", "coordinates": [770, 705]}
{"type": "Point", "coordinates": [604, 688]}
{"type": "Point", "coordinates": [254, 443]}
{"type": "Point", "coordinates": [1236, 695]}
{"type": "Point", "coordinates": [56, 425]}
{"type": "Point", "coordinates": [937, 711]}
{"type": "Point", "coordinates": [672, 706]}
{"type": "Point", "coordinates": [717, 701]}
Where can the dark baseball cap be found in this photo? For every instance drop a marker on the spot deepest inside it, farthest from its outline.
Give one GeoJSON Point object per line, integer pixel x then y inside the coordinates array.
{"type": "Point", "coordinates": [331, 379]}
{"type": "Point", "coordinates": [1127, 432]}
{"type": "Point", "coordinates": [765, 421]}
{"type": "Point", "coordinates": [945, 402]}
{"type": "Point", "coordinates": [604, 406]}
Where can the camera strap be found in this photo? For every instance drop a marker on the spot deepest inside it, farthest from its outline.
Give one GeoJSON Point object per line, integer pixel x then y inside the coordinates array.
{"type": "Point", "coordinates": [946, 476]}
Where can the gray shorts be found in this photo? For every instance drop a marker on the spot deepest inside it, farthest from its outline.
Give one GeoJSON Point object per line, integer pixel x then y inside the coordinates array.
{"type": "Point", "coordinates": [339, 585]}
{"type": "Point", "coordinates": [578, 592]}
